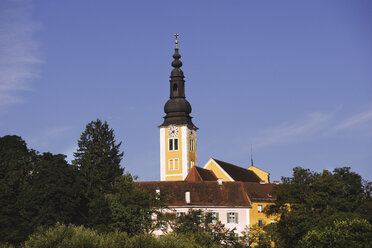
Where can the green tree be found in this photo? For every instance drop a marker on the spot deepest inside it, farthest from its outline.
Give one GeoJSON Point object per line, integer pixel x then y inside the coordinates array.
{"type": "Point", "coordinates": [51, 192]}
{"type": "Point", "coordinates": [339, 230]}
{"type": "Point", "coordinates": [61, 236]}
{"type": "Point", "coordinates": [98, 158]}
{"type": "Point", "coordinates": [308, 197]}
{"type": "Point", "coordinates": [16, 162]}
{"type": "Point", "coordinates": [202, 227]}
{"type": "Point", "coordinates": [259, 236]}
{"type": "Point", "coordinates": [131, 208]}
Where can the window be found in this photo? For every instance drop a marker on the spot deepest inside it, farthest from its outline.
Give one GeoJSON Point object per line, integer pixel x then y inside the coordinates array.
{"type": "Point", "coordinates": [179, 214]}
{"type": "Point", "coordinates": [232, 217]}
{"type": "Point", "coordinates": [191, 144]}
{"type": "Point", "coordinates": [260, 222]}
{"type": "Point", "coordinates": [163, 224]}
{"type": "Point", "coordinates": [175, 88]}
{"type": "Point", "coordinates": [234, 236]}
{"type": "Point", "coordinates": [192, 163]}
{"type": "Point", "coordinates": [173, 145]}
{"type": "Point", "coordinates": [173, 164]}
{"type": "Point", "coordinates": [259, 208]}
{"type": "Point", "coordinates": [215, 217]}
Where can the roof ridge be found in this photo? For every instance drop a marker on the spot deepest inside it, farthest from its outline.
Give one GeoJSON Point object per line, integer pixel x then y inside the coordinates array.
{"type": "Point", "coordinates": [229, 164]}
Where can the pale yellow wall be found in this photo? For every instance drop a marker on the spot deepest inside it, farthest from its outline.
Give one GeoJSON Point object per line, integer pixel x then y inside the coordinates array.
{"type": "Point", "coordinates": [260, 173]}
{"type": "Point", "coordinates": [173, 178]}
{"type": "Point", "coordinates": [255, 215]}
{"type": "Point", "coordinates": [173, 155]}
{"type": "Point", "coordinates": [192, 155]}
{"type": "Point", "coordinates": [211, 165]}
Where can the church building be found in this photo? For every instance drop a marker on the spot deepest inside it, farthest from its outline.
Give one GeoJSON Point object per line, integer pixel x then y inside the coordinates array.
{"type": "Point", "coordinates": [236, 196]}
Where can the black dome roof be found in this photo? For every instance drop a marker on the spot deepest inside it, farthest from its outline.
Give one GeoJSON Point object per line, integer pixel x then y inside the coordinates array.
{"type": "Point", "coordinates": [177, 105]}
{"type": "Point", "coordinates": [177, 108]}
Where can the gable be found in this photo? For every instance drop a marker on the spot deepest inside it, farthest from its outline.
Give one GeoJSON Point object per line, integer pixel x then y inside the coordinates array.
{"type": "Point", "coordinates": [234, 172]}
{"type": "Point", "coordinates": [218, 171]}
{"type": "Point", "coordinates": [262, 174]}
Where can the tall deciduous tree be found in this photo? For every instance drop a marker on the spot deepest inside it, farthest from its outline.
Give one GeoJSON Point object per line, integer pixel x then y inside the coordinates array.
{"type": "Point", "coordinates": [51, 192]}
{"type": "Point", "coordinates": [131, 208]}
{"type": "Point", "coordinates": [306, 198]}
{"type": "Point", "coordinates": [98, 158]}
{"type": "Point", "coordinates": [339, 230]}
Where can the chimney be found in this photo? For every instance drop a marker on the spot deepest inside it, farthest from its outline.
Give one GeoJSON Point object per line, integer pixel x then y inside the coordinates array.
{"type": "Point", "coordinates": [187, 197]}
{"type": "Point", "coordinates": [219, 180]}
{"type": "Point", "coordinates": [276, 182]}
{"type": "Point", "coordinates": [262, 182]}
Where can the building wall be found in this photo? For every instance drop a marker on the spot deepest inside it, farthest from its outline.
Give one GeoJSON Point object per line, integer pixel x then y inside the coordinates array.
{"type": "Point", "coordinates": [213, 166]}
{"type": "Point", "coordinates": [255, 215]}
{"type": "Point", "coordinates": [172, 175]}
{"type": "Point", "coordinates": [184, 156]}
{"type": "Point", "coordinates": [243, 216]}
{"type": "Point", "coordinates": [260, 173]}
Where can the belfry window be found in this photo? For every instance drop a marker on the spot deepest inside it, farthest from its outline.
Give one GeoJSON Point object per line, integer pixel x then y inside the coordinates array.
{"type": "Point", "coordinates": [175, 89]}
{"type": "Point", "coordinates": [173, 145]}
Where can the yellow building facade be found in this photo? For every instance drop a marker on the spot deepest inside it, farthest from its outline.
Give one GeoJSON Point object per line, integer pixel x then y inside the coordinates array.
{"type": "Point", "coordinates": [177, 152]}
{"type": "Point", "coordinates": [262, 174]}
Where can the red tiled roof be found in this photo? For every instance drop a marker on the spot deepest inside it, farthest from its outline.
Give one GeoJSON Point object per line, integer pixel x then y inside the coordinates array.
{"type": "Point", "coordinates": [207, 193]}
{"type": "Point", "coordinates": [238, 173]}
{"type": "Point", "coordinates": [259, 192]}
{"type": "Point", "coordinates": [198, 174]}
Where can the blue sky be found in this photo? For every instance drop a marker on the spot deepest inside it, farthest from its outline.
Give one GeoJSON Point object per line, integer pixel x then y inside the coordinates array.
{"type": "Point", "coordinates": [292, 78]}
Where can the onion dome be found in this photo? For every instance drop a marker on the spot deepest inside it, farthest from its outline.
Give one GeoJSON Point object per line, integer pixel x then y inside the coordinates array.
{"type": "Point", "coordinates": [177, 108]}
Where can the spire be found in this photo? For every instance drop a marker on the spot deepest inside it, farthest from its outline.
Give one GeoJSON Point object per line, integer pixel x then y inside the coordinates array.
{"type": "Point", "coordinates": [251, 156]}
{"type": "Point", "coordinates": [177, 108]}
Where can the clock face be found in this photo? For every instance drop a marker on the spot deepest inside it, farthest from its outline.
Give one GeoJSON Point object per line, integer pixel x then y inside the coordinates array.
{"type": "Point", "coordinates": [173, 131]}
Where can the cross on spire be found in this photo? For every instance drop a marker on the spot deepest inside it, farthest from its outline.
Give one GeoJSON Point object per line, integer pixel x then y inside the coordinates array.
{"type": "Point", "coordinates": [176, 37]}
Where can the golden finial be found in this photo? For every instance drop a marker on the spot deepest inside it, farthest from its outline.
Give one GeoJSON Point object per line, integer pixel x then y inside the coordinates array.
{"type": "Point", "coordinates": [176, 41]}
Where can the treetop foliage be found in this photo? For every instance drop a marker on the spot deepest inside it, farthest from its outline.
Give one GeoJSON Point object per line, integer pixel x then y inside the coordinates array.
{"type": "Point", "coordinates": [307, 198]}
{"type": "Point", "coordinates": [38, 190]}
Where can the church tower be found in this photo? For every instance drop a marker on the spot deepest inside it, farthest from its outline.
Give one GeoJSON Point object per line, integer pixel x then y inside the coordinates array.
{"type": "Point", "coordinates": [177, 133]}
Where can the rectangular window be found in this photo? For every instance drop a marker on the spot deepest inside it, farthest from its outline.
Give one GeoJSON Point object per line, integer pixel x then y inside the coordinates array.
{"type": "Point", "coordinates": [232, 217]}
{"type": "Point", "coordinates": [163, 224]}
{"type": "Point", "coordinates": [215, 217]}
{"type": "Point", "coordinates": [259, 208]}
{"type": "Point", "coordinates": [179, 214]}
{"type": "Point", "coordinates": [170, 164]}
{"type": "Point", "coordinates": [260, 222]}
{"type": "Point", "coordinates": [191, 144]}
{"type": "Point", "coordinates": [173, 164]}
{"type": "Point", "coordinates": [176, 164]}
{"type": "Point", "coordinates": [173, 144]}
{"type": "Point", "coordinates": [170, 144]}
{"type": "Point", "coordinates": [234, 236]}
{"type": "Point", "coordinates": [176, 144]}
